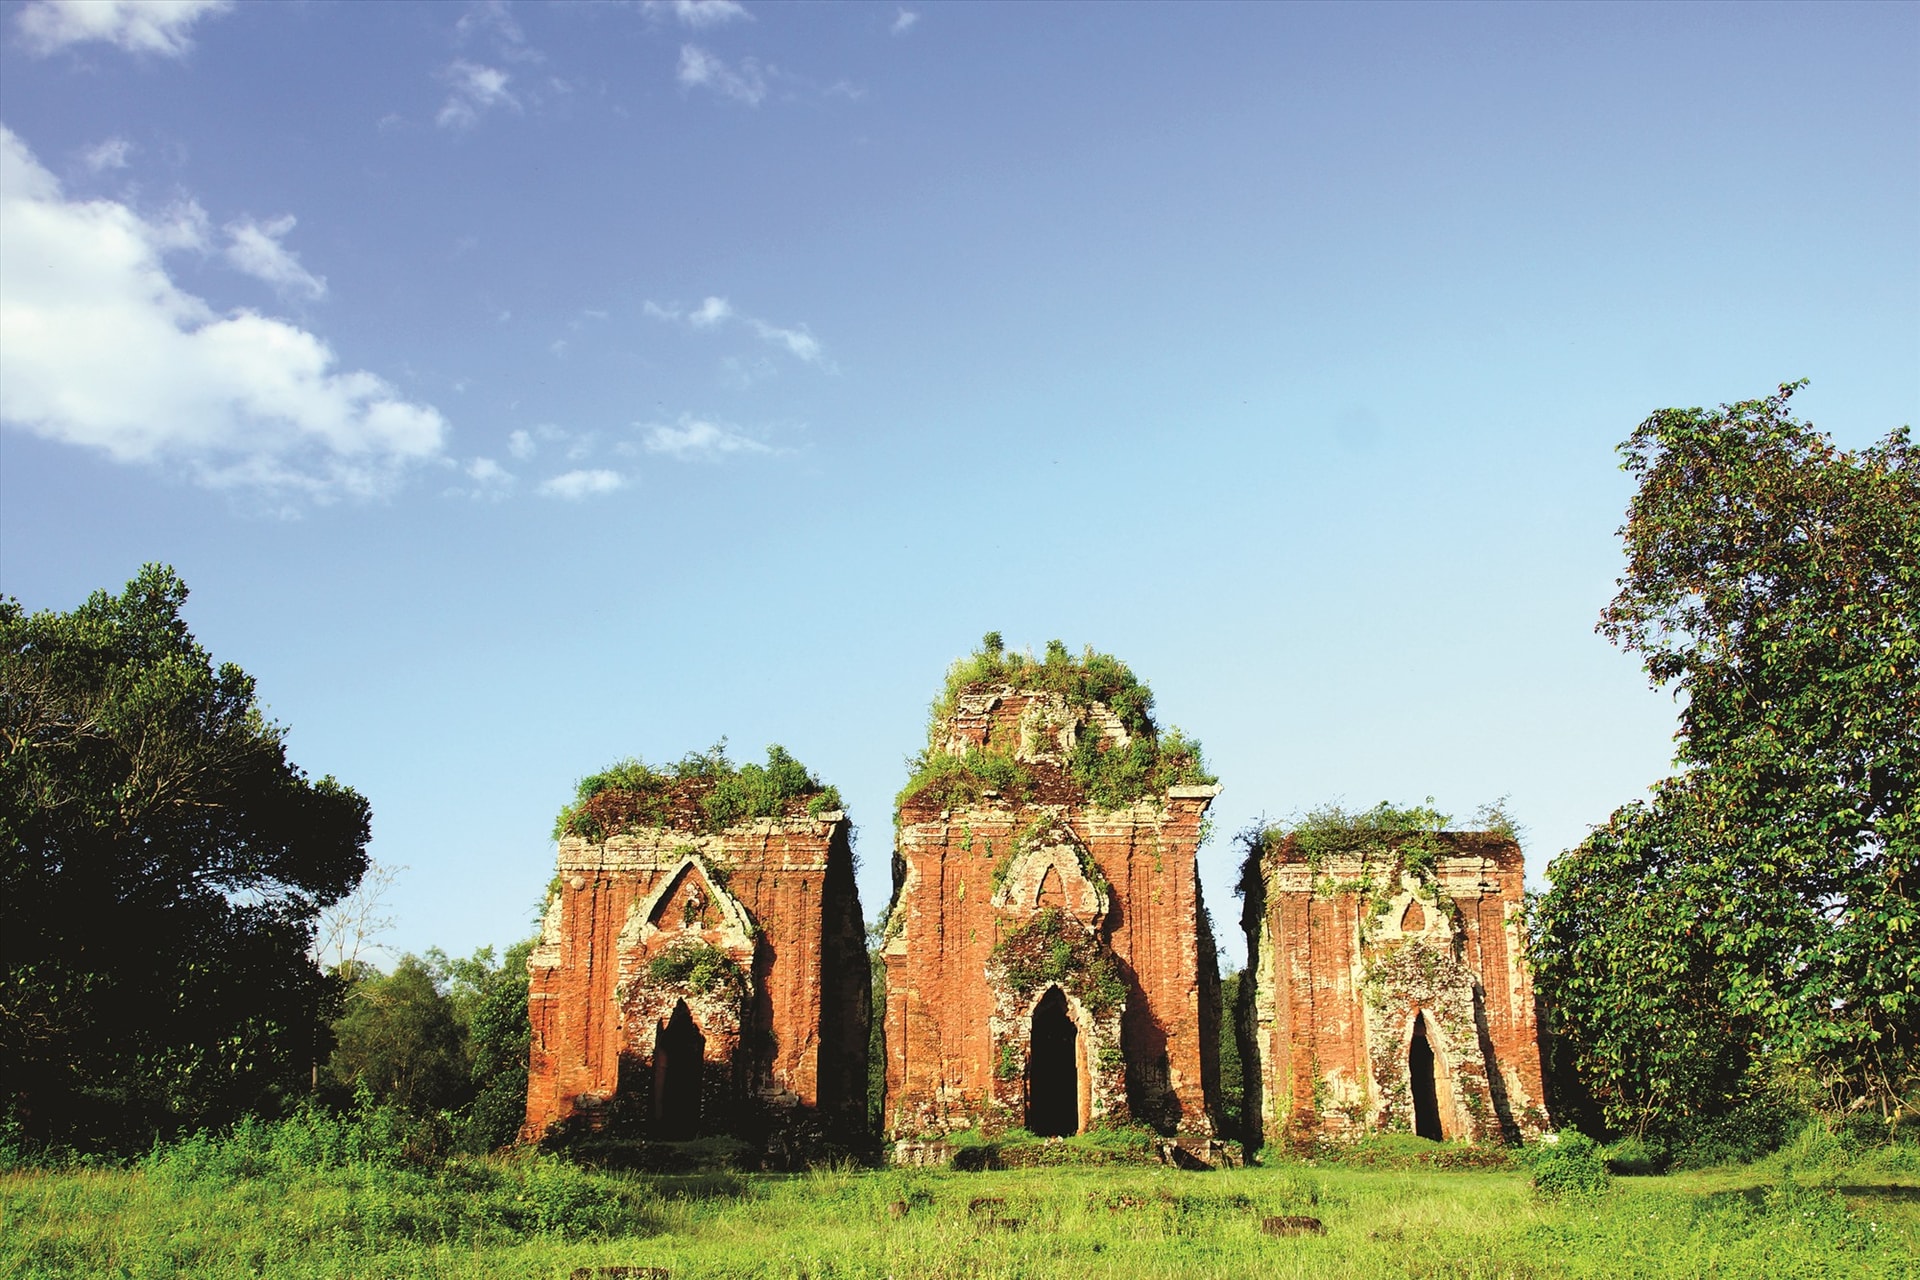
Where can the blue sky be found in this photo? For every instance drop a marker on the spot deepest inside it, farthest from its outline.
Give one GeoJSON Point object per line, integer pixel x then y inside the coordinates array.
{"type": "Point", "coordinates": [522, 387]}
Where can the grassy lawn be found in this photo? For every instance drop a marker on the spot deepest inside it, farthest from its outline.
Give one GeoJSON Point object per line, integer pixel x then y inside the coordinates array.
{"type": "Point", "coordinates": [538, 1218]}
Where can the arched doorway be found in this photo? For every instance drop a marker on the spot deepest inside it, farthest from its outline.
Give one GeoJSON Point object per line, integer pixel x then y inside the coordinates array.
{"type": "Point", "coordinates": [679, 1052]}
{"type": "Point", "coordinates": [1053, 1069]}
{"type": "Point", "coordinates": [1426, 1098]}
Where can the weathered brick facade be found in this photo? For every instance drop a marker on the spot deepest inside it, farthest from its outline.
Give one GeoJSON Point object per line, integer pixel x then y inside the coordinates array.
{"type": "Point", "coordinates": [1131, 1031]}
{"type": "Point", "coordinates": [692, 983]}
{"type": "Point", "coordinates": [1391, 1001]}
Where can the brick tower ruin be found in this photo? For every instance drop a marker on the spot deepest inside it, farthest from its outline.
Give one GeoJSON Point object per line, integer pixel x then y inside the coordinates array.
{"type": "Point", "coordinates": [1049, 964]}
{"type": "Point", "coordinates": [701, 966]}
{"type": "Point", "coordinates": [1388, 987]}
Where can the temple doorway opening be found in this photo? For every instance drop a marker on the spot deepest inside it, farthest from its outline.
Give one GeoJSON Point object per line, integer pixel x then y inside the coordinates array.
{"type": "Point", "coordinates": [678, 1056]}
{"type": "Point", "coordinates": [1053, 1070]}
{"type": "Point", "coordinates": [1426, 1099]}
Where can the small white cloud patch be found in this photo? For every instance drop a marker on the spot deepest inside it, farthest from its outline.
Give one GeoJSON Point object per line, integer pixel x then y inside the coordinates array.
{"type": "Point", "coordinates": [696, 439]}
{"type": "Point", "coordinates": [903, 21]}
{"type": "Point", "coordinates": [701, 70]}
{"type": "Point", "coordinates": [711, 313]}
{"type": "Point", "coordinates": [473, 90]}
{"type": "Point", "coordinates": [520, 444]}
{"type": "Point", "coordinates": [574, 486]}
{"type": "Point", "coordinates": [700, 14]}
{"type": "Point", "coordinates": [138, 26]}
{"type": "Point", "coordinates": [111, 154]}
{"type": "Point", "coordinates": [255, 248]}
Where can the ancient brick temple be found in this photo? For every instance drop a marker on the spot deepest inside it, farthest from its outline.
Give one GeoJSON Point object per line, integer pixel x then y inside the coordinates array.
{"type": "Point", "coordinates": [1049, 964]}
{"type": "Point", "coordinates": [1390, 993]}
{"type": "Point", "coordinates": [691, 980]}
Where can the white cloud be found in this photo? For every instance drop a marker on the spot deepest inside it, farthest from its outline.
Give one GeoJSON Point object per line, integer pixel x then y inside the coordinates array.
{"type": "Point", "coordinates": [692, 439]}
{"type": "Point", "coordinates": [488, 481]}
{"type": "Point", "coordinates": [521, 445]}
{"type": "Point", "coordinates": [111, 154]}
{"type": "Point", "coordinates": [473, 91]}
{"type": "Point", "coordinates": [711, 313]}
{"type": "Point", "coordinates": [701, 70]}
{"type": "Point", "coordinates": [573, 486]}
{"type": "Point", "coordinates": [100, 348]}
{"type": "Point", "coordinates": [700, 14]}
{"type": "Point", "coordinates": [138, 26]}
{"type": "Point", "coordinates": [255, 248]}
{"type": "Point", "coordinates": [903, 21]}
{"type": "Point", "coordinates": [799, 342]}
{"type": "Point", "coordinates": [714, 312]}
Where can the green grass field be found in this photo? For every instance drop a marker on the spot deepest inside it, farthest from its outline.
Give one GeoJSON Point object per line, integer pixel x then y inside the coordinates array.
{"type": "Point", "coordinates": [202, 1216]}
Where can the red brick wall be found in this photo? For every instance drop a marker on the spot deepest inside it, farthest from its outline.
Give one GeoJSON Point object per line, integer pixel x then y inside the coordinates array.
{"type": "Point", "coordinates": [805, 1027]}
{"type": "Point", "coordinates": [1337, 985]}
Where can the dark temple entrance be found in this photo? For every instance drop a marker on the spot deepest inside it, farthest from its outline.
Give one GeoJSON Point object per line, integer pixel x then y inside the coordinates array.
{"type": "Point", "coordinates": [1426, 1101]}
{"type": "Point", "coordinates": [1053, 1070]}
{"type": "Point", "coordinates": [678, 1055]}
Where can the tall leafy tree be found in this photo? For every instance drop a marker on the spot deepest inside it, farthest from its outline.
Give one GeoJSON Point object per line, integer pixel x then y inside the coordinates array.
{"type": "Point", "coordinates": [161, 864]}
{"type": "Point", "coordinates": [1761, 906]}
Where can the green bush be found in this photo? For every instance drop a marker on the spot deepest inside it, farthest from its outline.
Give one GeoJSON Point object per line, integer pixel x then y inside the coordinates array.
{"type": "Point", "coordinates": [1568, 1165]}
{"type": "Point", "coordinates": [1749, 1132]}
{"type": "Point", "coordinates": [1635, 1155]}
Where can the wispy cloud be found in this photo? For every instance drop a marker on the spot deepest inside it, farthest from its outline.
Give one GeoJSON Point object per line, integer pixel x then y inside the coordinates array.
{"type": "Point", "coordinates": [701, 70]}
{"type": "Point", "coordinates": [494, 20]}
{"type": "Point", "coordinates": [575, 486]}
{"type": "Point", "coordinates": [100, 348]}
{"type": "Point", "coordinates": [139, 26]}
{"type": "Point", "coordinates": [903, 21]}
{"type": "Point", "coordinates": [484, 481]}
{"type": "Point", "coordinates": [801, 344]}
{"type": "Point", "coordinates": [255, 248]}
{"type": "Point", "coordinates": [697, 439]}
{"type": "Point", "coordinates": [521, 444]}
{"type": "Point", "coordinates": [473, 90]}
{"type": "Point", "coordinates": [111, 154]}
{"type": "Point", "coordinates": [714, 312]}
{"type": "Point", "coordinates": [698, 14]}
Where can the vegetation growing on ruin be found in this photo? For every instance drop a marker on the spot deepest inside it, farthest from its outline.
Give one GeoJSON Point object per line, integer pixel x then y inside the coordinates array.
{"type": "Point", "coordinates": [703, 791]}
{"type": "Point", "coordinates": [1048, 949]}
{"type": "Point", "coordinates": [1106, 774]}
{"type": "Point", "coordinates": [697, 965]}
{"type": "Point", "coordinates": [1385, 839]}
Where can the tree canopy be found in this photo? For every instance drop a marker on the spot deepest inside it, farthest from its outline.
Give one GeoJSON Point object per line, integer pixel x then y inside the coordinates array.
{"type": "Point", "coordinates": [1755, 918]}
{"type": "Point", "coordinates": [163, 864]}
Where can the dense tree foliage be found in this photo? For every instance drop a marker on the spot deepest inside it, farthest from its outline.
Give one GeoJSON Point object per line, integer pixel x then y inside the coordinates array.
{"type": "Point", "coordinates": [163, 863]}
{"type": "Point", "coordinates": [1755, 919]}
{"type": "Point", "coordinates": [440, 1037]}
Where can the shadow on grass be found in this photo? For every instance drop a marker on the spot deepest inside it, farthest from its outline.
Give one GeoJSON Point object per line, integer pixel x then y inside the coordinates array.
{"type": "Point", "coordinates": [1887, 1191]}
